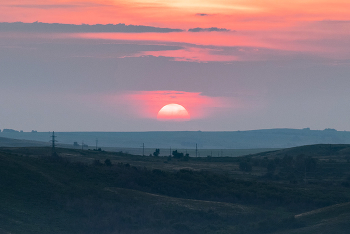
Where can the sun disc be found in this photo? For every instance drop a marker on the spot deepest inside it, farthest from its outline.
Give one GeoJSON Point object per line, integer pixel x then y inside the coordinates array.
{"type": "Point", "coordinates": [173, 112]}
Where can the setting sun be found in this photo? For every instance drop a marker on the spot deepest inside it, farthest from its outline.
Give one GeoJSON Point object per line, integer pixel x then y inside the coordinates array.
{"type": "Point", "coordinates": [173, 112]}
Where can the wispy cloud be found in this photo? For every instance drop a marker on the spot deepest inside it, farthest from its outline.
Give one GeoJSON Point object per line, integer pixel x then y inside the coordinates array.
{"type": "Point", "coordinates": [335, 21]}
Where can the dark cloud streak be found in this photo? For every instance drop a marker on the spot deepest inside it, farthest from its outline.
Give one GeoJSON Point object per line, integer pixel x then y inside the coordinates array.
{"type": "Point", "coordinates": [202, 14]}
{"type": "Point", "coordinates": [84, 28]}
{"type": "Point", "coordinates": [212, 29]}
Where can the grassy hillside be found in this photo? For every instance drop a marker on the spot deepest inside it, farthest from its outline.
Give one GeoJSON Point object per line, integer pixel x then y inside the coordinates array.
{"type": "Point", "coordinates": [332, 219]}
{"type": "Point", "coordinates": [312, 150]}
{"type": "Point", "coordinates": [46, 195]}
{"type": "Point", "coordinates": [105, 192]}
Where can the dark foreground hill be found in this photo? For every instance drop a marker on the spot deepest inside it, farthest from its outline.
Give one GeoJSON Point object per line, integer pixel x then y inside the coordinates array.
{"type": "Point", "coordinates": [105, 192]}
{"type": "Point", "coordinates": [46, 195]}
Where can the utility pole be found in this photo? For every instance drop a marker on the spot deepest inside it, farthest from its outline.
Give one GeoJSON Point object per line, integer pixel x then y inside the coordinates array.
{"type": "Point", "coordinates": [53, 144]}
{"type": "Point", "coordinates": [196, 150]}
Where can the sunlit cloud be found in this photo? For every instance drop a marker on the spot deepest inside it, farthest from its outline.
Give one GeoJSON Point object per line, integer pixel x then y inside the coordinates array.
{"type": "Point", "coordinates": [202, 4]}
{"type": "Point", "coordinates": [306, 39]}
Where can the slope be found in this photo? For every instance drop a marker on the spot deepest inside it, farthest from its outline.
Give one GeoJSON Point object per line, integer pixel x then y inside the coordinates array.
{"type": "Point", "coordinates": [331, 219]}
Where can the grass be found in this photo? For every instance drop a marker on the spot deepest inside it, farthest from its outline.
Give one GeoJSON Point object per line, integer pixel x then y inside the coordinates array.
{"type": "Point", "coordinates": [136, 194]}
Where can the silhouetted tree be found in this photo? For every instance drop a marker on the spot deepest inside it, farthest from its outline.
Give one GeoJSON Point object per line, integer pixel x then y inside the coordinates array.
{"type": "Point", "coordinates": [156, 153]}
{"type": "Point", "coordinates": [177, 154]}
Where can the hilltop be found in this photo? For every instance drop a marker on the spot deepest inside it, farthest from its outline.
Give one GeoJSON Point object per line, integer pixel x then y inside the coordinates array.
{"type": "Point", "coordinates": [317, 150]}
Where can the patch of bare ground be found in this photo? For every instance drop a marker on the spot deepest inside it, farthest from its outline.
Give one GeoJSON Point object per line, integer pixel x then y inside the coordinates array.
{"type": "Point", "coordinates": [192, 204]}
{"type": "Point", "coordinates": [329, 210]}
{"type": "Point", "coordinates": [327, 220]}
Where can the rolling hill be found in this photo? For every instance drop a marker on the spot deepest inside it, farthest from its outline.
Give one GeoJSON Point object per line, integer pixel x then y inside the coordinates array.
{"type": "Point", "coordinates": [114, 192]}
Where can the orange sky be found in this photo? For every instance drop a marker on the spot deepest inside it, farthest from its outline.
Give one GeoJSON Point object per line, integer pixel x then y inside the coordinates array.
{"type": "Point", "coordinates": [317, 27]}
{"type": "Point", "coordinates": [232, 14]}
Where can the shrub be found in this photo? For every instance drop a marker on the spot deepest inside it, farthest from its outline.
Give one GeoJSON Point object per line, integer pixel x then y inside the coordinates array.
{"type": "Point", "coordinates": [108, 162]}
{"type": "Point", "coordinates": [245, 166]}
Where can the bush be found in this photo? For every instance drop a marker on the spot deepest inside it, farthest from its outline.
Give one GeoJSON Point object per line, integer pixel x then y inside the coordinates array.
{"type": "Point", "coordinates": [245, 166]}
{"type": "Point", "coordinates": [97, 162]}
{"type": "Point", "coordinates": [108, 162]}
{"type": "Point", "coordinates": [271, 167]}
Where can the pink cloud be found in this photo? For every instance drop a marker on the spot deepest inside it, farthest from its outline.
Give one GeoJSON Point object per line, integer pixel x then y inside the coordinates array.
{"type": "Point", "coordinates": [191, 54]}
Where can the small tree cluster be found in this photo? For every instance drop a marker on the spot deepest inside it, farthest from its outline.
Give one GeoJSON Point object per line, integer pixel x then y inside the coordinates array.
{"type": "Point", "coordinates": [97, 162]}
{"type": "Point", "coordinates": [180, 155]}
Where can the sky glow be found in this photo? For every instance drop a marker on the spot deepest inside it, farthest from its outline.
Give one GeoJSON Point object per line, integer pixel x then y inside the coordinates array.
{"type": "Point", "coordinates": [146, 104]}
{"type": "Point", "coordinates": [234, 65]}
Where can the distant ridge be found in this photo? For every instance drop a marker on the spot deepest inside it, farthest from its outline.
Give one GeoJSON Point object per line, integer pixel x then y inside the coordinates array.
{"type": "Point", "coordinates": [265, 138]}
{"type": "Point", "coordinates": [8, 142]}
